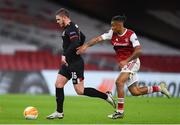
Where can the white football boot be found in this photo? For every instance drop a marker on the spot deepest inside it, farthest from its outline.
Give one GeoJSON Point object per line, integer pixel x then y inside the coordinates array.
{"type": "Point", "coordinates": [110, 99]}
{"type": "Point", "coordinates": [55, 115]}
{"type": "Point", "coordinates": [116, 115]}
{"type": "Point", "coordinates": [164, 89]}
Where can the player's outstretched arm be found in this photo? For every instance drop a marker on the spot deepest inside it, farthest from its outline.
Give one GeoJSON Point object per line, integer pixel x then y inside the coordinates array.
{"type": "Point", "coordinates": [88, 44]}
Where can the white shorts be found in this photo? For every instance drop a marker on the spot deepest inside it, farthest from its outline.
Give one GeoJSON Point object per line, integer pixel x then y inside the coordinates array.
{"type": "Point", "coordinates": [132, 67]}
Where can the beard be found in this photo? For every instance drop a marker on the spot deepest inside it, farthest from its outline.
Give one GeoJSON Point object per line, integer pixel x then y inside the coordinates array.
{"type": "Point", "coordinates": [62, 25]}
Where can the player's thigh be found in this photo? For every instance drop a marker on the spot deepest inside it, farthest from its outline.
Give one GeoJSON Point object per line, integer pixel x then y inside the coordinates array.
{"type": "Point", "coordinates": [122, 78]}
{"type": "Point", "coordinates": [133, 88]}
{"type": "Point", "coordinates": [132, 79]}
{"type": "Point", "coordinates": [61, 81]}
{"type": "Point", "coordinates": [128, 73]}
{"type": "Point", "coordinates": [78, 81]}
{"type": "Point", "coordinates": [79, 87]}
{"type": "Point", "coordinates": [65, 71]}
{"type": "Point", "coordinates": [77, 72]}
{"type": "Point", "coordinates": [63, 76]}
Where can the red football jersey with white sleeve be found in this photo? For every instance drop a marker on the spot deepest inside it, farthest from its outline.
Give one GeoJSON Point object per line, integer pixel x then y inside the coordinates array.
{"type": "Point", "coordinates": [124, 44]}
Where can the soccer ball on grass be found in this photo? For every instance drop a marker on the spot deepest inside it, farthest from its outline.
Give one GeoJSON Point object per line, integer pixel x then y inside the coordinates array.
{"type": "Point", "coordinates": [30, 113]}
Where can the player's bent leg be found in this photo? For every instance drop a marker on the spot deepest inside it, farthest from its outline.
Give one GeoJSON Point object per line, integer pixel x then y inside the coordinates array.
{"type": "Point", "coordinates": [136, 90]}
{"type": "Point", "coordinates": [80, 90]}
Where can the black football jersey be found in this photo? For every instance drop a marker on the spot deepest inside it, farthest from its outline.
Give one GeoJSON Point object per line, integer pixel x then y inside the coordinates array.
{"type": "Point", "coordinates": [72, 38]}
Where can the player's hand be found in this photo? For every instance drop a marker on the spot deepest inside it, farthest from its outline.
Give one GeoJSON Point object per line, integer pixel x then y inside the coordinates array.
{"type": "Point", "coordinates": [123, 63]}
{"type": "Point", "coordinates": [63, 60]}
{"type": "Point", "coordinates": [81, 49]}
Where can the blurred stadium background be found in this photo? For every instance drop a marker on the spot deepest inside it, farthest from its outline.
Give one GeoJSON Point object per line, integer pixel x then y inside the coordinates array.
{"type": "Point", "coordinates": [31, 45]}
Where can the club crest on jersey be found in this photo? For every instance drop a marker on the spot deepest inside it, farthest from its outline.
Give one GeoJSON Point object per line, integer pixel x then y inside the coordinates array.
{"type": "Point", "coordinates": [126, 40]}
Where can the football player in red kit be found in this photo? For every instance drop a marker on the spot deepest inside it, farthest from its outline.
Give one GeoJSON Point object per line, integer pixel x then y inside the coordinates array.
{"type": "Point", "coordinates": [128, 50]}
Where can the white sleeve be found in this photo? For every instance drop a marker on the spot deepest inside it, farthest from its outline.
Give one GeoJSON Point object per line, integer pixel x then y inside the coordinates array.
{"type": "Point", "coordinates": [107, 36]}
{"type": "Point", "coordinates": [134, 40]}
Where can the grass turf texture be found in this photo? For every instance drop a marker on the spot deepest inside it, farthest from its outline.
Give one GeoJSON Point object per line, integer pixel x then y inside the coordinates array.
{"type": "Point", "coordinates": [85, 110]}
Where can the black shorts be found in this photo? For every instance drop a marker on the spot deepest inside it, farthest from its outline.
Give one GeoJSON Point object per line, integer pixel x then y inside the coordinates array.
{"type": "Point", "coordinates": [74, 70]}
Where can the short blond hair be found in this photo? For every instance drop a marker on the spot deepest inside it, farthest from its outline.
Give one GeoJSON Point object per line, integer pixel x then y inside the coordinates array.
{"type": "Point", "coordinates": [62, 12]}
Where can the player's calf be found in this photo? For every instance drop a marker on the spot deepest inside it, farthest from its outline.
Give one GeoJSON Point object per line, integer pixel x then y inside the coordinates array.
{"type": "Point", "coordinates": [136, 90]}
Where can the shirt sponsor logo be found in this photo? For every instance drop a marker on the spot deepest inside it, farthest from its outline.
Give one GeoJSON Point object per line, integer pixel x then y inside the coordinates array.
{"type": "Point", "coordinates": [120, 44]}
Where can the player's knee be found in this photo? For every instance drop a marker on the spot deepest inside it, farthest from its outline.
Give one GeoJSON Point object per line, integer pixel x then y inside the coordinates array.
{"type": "Point", "coordinates": [59, 85]}
{"type": "Point", "coordinates": [119, 84]}
{"type": "Point", "coordinates": [80, 91]}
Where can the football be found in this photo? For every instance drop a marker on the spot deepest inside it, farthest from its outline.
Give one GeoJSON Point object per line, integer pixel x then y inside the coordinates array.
{"type": "Point", "coordinates": [30, 113]}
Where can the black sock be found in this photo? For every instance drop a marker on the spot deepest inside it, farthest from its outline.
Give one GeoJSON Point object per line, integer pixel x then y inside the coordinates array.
{"type": "Point", "coordinates": [94, 93]}
{"type": "Point", "coordinates": [59, 99]}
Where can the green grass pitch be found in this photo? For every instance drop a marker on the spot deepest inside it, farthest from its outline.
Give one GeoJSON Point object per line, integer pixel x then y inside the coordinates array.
{"type": "Point", "coordinates": [85, 110]}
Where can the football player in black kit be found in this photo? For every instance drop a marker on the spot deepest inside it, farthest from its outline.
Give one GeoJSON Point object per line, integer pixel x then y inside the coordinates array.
{"type": "Point", "coordinates": [72, 65]}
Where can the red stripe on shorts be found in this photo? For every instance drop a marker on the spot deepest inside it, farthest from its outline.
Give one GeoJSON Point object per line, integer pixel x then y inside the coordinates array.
{"type": "Point", "coordinates": [130, 66]}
